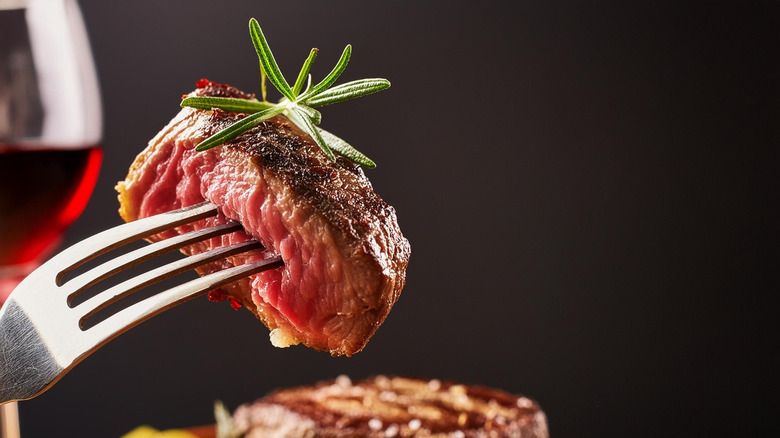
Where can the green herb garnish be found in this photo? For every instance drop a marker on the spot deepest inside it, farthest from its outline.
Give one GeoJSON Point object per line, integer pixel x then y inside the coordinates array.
{"type": "Point", "coordinates": [297, 103]}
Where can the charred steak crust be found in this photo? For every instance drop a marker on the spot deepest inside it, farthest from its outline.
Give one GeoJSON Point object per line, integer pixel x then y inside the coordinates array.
{"type": "Point", "coordinates": [391, 406]}
{"type": "Point", "coordinates": [323, 217]}
{"type": "Point", "coordinates": [339, 190]}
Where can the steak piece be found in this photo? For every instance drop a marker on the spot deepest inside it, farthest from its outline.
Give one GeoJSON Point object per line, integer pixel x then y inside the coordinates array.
{"type": "Point", "coordinates": [344, 255]}
{"type": "Point", "coordinates": [390, 407]}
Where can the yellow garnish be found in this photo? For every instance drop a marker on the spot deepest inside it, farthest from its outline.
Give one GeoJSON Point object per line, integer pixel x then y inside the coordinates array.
{"type": "Point", "coordinates": [150, 432]}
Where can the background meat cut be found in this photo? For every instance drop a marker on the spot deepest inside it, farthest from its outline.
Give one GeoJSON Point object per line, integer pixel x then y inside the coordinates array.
{"type": "Point", "coordinates": [588, 188]}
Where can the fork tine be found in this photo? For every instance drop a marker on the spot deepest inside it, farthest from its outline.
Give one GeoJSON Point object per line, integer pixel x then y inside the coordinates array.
{"type": "Point", "coordinates": [137, 313]}
{"type": "Point", "coordinates": [76, 285]}
{"type": "Point", "coordinates": [121, 290]}
{"type": "Point", "coordinates": [41, 338]}
{"type": "Point", "coordinates": [105, 241]}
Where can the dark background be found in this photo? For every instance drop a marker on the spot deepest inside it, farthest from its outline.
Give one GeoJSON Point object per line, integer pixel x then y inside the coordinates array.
{"type": "Point", "coordinates": [588, 188]}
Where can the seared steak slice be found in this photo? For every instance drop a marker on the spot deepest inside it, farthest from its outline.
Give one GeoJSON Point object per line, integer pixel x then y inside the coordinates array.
{"type": "Point", "coordinates": [344, 255]}
{"type": "Point", "coordinates": [391, 407]}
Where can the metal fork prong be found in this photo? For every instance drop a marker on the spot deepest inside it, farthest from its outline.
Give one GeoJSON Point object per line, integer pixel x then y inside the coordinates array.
{"type": "Point", "coordinates": [113, 238]}
{"type": "Point", "coordinates": [121, 290]}
{"type": "Point", "coordinates": [137, 313]}
{"type": "Point", "coordinates": [76, 285]}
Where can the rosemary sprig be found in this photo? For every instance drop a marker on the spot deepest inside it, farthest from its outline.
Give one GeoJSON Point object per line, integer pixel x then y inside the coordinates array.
{"type": "Point", "coordinates": [297, 103]}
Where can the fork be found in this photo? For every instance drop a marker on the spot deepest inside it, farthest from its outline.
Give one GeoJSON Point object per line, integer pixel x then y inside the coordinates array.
{"type": "Point", "coordinates": [43, 334]}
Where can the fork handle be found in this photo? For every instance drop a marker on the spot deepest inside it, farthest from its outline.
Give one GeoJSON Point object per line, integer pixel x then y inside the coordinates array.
{"type": "Point", "coordinates": [9, 420]}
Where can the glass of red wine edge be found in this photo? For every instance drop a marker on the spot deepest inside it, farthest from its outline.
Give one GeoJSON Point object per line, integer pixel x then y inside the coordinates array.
{"type": "Point", "coordinates": [50, 130]}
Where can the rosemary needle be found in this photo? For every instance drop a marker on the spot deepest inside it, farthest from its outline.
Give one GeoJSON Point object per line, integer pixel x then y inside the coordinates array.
{"type": "Point", "coordinates": [297, 103]}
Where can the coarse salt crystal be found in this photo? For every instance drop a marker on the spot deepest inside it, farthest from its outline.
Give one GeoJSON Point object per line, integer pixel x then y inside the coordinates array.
{"type": "Point", "coordinates": [388, 396]}
{"type": "Point", "coordinates": [343, 381]}
{"type": "Point", "coordinates": [415, 424]}
{"type": "Point", "coordinates": [375, 424]}
{"type": "Point", "coordinates": [392, 430]}
{"type": "Point", "coordinates": [458, 389]}
{"type": "Point", "coordinates": [382, 381]}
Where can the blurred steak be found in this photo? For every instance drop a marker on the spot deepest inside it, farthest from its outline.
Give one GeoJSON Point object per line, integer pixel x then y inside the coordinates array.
{"type": "Point", "coordinates": [344, 255]}
{"type": "Point", "coordinates": [391, 407]}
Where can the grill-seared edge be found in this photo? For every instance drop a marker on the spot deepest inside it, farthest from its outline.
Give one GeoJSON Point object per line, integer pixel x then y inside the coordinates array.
{"type": "Point", "coordinates": [391, 407]}
{"type": "Point", "coordinates": [344, 255]}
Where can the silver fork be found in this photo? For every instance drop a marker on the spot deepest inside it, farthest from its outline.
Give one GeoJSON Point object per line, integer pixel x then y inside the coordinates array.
{"type": "Point", "coordinates": [43, 335]}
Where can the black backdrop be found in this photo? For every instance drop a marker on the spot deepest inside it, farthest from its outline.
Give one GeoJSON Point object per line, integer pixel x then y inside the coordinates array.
{"type": "Point", "coordinates": [587, 187]}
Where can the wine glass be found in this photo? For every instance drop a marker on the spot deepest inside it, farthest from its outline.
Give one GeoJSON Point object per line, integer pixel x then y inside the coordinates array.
{"type": "Point", "coordinates": [50, 131]}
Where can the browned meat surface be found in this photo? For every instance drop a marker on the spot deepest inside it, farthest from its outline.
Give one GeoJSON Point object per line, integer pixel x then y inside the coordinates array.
{"type": "Point", "coordinates": [344, 255]}
{"type": "Point", "coordinates": [391, 407]}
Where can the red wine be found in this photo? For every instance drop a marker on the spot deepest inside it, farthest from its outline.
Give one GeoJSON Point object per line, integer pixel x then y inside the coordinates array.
{"type": "Point", "coordinates": [42, 191]}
